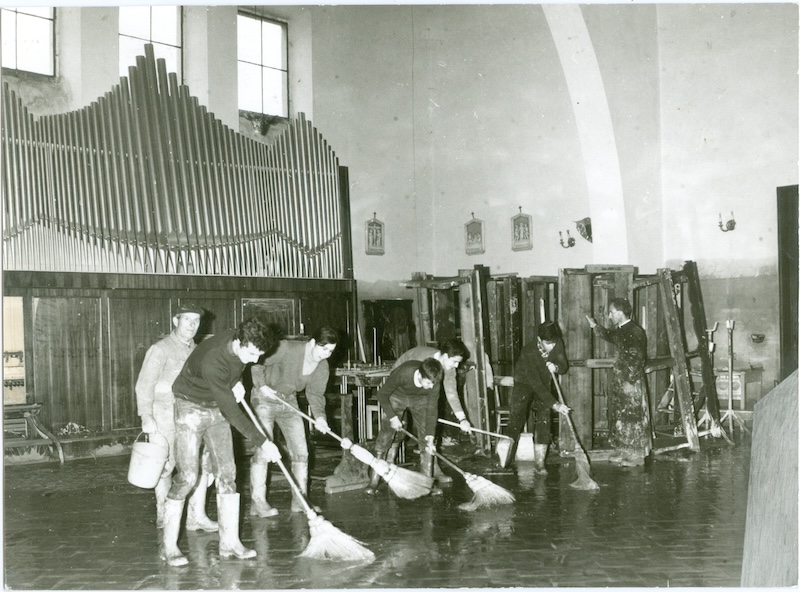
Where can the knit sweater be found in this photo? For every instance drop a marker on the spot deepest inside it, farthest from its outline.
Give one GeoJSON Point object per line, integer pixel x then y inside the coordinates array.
{"type": "Point", "coordinates": [208, 377]}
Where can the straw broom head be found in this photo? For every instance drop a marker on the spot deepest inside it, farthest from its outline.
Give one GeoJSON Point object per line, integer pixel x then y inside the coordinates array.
{"type": "Point", "coordinates": [329, 543]}
{"type": "Point", "coordinates": [584, 481]}
{"type": "Point", "coordinates": [408, 484]}
{"type": "Point", "coordinates": [487, 494]}
{"type": "Point", "coordinates": [403, 483]}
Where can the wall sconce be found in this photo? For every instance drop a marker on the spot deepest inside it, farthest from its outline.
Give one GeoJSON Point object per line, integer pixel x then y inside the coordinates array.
{"type": "Point", "coordinates": [729, 225]}
{"type": "Point", "coordinates": [570, 241]}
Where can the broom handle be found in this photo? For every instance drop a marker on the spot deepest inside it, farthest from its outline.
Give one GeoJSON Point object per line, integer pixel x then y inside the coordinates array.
{"type": "Point", "coordinates": [436, 454]}
{"type": "Point", "coordinates": [471, 429]}
{"type": "Point", "coordinates": [305, 415]}
{"type": "Point", "coordinates": [279, 462]}
{"type": "Point", "coordinates": [569, 419]}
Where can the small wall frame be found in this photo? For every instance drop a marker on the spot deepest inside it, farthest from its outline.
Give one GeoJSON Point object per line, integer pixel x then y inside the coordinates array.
{"type": "Point", "coordinates": [473, 236]}
{"type": "Point", "coordinates": [374, 238]}
{"type": "Point", "coordinates": [521, 232]}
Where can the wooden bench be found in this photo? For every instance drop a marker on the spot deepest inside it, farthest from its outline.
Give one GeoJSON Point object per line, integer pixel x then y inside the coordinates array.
{"type": "Point", "coordinates": [23, 429]}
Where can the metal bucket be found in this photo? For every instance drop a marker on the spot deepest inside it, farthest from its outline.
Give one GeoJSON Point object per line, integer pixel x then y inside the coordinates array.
{"type": "Point", "coordinates": [148, 458]}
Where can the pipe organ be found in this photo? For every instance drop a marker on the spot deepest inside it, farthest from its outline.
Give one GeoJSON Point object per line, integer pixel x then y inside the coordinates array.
{"type": "Point", "coordinates": [146, 180]}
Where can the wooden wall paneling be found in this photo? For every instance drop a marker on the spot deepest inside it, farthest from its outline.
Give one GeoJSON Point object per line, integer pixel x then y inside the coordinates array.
{"type": "Point", "coordinates": [68, 363]}
{"type": "Point", "coordinates": [135, 322]}
{"type": "Point", "coordinates": [575, 302]}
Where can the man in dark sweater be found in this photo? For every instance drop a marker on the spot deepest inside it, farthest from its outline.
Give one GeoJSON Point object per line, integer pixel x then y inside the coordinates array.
{"type": "Point", "coordinates": [629, 431]}
{"type": "Point", "coordinates": [412, 386]}
{"type": "Point", "coordinates": [532, 382]}
{"type": "Point", "coordinates": [207, 395]}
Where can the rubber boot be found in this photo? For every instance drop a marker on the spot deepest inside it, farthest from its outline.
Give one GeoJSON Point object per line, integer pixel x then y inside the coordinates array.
{"type": "Point", "coordinates": [426, 463]}
{"type": "Point", "coordinates": [196, 517]}
{"type": "Point", "coordinates": [375, 478]}
{"type": "Point", "coordinates": [169, 551]}
{"type": "Point", "coordinates": [229, 543]}
{"type": "Point", "coordinates": [300, 473]}
{"type": "Point", "coordinates": [539, 456]}
{"type": "Point", "coordinates": [162, 489]}
{"type": "Point", "coordinates": [441, 477]}
{"type": "Point", "coordinates": [258, 491]}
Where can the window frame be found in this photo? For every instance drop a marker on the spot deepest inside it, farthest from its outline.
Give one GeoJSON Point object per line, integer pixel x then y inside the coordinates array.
{"type": "Point", "coordinates": [143, 40]}
{"type": "Point", "coordinates": [286, 99]}
{"type": "Point", "coordinates": [53, 40]}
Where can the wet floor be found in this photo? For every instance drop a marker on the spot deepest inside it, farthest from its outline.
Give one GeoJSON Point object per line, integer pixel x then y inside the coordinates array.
{"type": "Point", "coordinates": [677, 521]}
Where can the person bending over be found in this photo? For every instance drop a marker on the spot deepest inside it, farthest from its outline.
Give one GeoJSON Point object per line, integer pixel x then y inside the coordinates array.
{"type": "Point", "coordinates": [296, 366]}
{"type": "Point", "coordinates": [207, 395]}
{"type": "Point", "coordinates": [414, 387]}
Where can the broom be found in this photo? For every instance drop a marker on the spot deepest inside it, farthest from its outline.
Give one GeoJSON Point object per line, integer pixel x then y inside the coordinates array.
{"type": "Point", "coordinates": [487, 494]}
{"type": "Point", "coordinates": [404, 483]}
{"type": "Point", "coordinates": [475, 430]}
{"type": "Point", "coordinates": [584, 480]}
{"type": "Point", "coordinates": [326, 541]}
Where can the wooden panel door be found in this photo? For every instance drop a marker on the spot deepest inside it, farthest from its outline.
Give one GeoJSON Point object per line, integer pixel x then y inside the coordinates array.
{"type": "Point", "coordinates": [69, 362]}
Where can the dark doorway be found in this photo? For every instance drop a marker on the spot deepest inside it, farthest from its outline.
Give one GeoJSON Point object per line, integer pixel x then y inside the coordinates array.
{"type": "Point", "coordinates": [787, 277]}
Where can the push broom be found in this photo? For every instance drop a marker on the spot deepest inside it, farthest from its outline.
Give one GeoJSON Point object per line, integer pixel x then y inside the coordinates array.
{"type": "Point", "coordinates": [584, 480]}
{"type": "Point", "coordinates": [326, 541]}
{"type": "Point", "coordinates": [404, 483]}
{"type": "Point", "coordinates": [487, 494]}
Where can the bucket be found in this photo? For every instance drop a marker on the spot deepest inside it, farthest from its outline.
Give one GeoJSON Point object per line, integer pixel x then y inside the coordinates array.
{"type": "Point", "coordinates": [148, 458]}
{"type": "Point", "coordinates": [525, 447]}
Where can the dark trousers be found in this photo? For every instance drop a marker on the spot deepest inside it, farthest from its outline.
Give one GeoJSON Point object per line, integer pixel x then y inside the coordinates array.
{"type": "Point", "coordinates": [418, 406]}
{"type": "Point", "coordinates": [523, 398]}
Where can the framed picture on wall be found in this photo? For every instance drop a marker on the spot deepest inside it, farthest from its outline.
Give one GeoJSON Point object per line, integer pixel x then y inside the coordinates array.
{"type": "Point", "coordinates": [473, 236]}
{"type": "Point", "coordinates": [374, 236]}
{"type": "Point", "coordinates": [521, 232]}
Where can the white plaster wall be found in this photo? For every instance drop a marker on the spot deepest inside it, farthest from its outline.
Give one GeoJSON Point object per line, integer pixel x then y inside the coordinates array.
{"type": "Point", "coordinates": [210, 56]}
{"type": "Point", "coordinates": [729, 116]}
{"type": "Point", "coordinates": [88, 48]}
{"type": "Point", "coordinates": [445, 111]}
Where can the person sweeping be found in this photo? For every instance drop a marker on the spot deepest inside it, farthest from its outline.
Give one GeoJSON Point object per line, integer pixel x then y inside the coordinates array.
{"type": "Point", "coordinates": [413, 386]}
{"type": "Point", "coordinates": [207, 395]}
{"type": "Point", "coordinates": [541, 355]}
{"type": "Point", "coordinates": [294, 367]}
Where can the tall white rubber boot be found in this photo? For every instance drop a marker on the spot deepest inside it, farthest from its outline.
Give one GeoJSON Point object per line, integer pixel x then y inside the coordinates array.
{"type": "Point", "coordinates": [162, 489]}
{"type": "Point", "coordinates": [300, 473]}
{"type": "Point", "coordinates": [258, 491]}
{"type": "Point", "coordinates": [169, 551]}
{"type": "Point", "coordinates": [196, 517]}
{"type": "Point", "coordinates": [229, 543]}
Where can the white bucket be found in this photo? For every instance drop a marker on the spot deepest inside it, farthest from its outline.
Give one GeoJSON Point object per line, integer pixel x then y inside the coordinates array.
{"type": "Point", "coordinates": [525, 447]}
{"type": "Point", "coordinates": [148, 458]}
